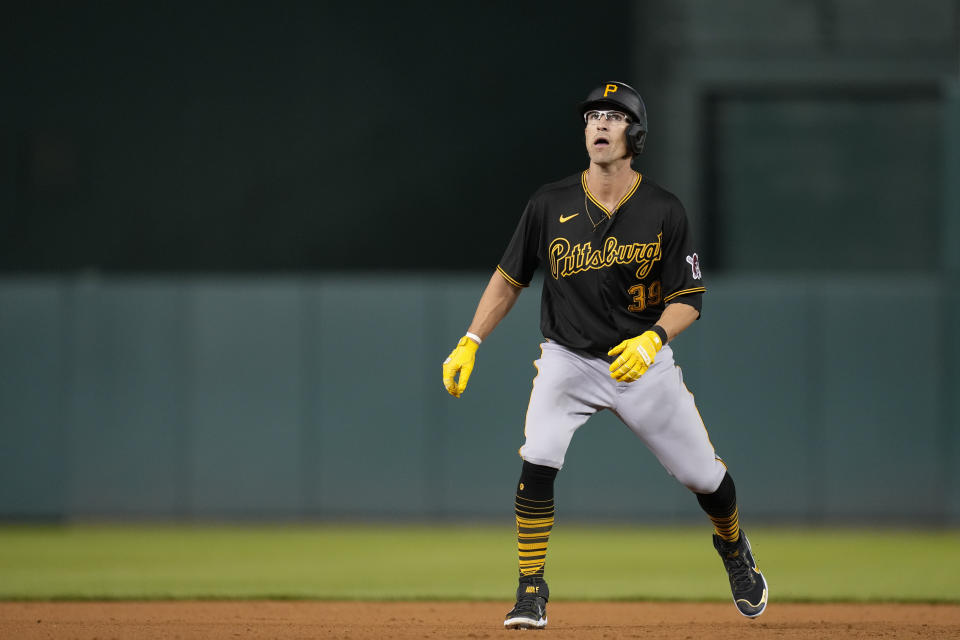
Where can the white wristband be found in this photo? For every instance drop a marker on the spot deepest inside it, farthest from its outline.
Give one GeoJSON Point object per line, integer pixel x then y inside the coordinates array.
{"type": "Point", "coordinates": [474, 337]}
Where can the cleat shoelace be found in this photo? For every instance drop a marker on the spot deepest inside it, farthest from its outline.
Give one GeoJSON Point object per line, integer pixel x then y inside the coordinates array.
{"type": "Point", "coordinates": [740, 572]}
{"type": "Point", "coordinates": [527, 606]}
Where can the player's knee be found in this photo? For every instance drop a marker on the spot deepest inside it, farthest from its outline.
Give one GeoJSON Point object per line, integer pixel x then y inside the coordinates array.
{"type": "Point", "coordinates": [703, 477]}
{"type": "Point", "coordinates": [538, 473]}
{"type": "Point", "coordinates": [699, 485]}
{"type": "Point", "coordinates": [700, 482]}
{"type": "Point", "coordinates": [542, 456]}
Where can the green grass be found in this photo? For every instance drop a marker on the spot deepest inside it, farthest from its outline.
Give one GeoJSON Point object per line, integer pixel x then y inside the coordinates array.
{"type": "Point", "coordinates": [462, 562]}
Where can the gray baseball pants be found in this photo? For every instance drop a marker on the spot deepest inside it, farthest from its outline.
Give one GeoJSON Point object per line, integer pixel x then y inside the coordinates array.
{"type": "Point", "coordinates": [571, 386]}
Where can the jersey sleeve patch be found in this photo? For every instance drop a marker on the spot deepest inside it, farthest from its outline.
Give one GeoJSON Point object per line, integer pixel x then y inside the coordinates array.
{"type": "Point", "coordinates": [694, 262]}
{"type": "Point", "coordinates": [511, 280]}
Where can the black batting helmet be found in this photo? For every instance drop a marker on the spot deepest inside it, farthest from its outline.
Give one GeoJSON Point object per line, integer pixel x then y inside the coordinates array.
{"type": "Point", "coordinates": [621, 97]}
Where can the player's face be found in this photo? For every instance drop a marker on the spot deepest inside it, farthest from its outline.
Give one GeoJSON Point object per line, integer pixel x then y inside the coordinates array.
{"type": "Point", "coordinates": [606, 137]}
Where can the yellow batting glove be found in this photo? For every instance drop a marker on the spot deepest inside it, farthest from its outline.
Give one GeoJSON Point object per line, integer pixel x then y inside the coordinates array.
{"type": "Point", "coordinates": [636, 356]}
{"type": "Point", "coordinates": [460, 361]}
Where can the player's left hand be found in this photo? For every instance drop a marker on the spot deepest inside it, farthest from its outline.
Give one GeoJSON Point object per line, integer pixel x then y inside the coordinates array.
{"type": "Point", "coordinates": [636, 356]}
{"type": "Point", "coordinates": [460, 360]}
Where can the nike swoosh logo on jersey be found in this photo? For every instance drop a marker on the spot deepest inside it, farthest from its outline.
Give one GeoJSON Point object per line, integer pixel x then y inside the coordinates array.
{"type": "Point", "coordinates": [565, 218]}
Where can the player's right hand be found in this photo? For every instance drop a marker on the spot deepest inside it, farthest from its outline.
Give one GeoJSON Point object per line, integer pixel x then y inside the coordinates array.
{"type": "Point", "coordinates": [459, 361]}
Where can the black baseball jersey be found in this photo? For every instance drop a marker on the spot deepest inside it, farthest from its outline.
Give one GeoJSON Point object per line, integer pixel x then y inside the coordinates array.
{"type": "Point", "coordinates": [608, 275]}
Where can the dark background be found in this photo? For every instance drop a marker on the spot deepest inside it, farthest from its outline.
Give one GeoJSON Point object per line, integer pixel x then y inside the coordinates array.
{"type": "Point", "coordinates": [311, 136]}
{"type": "Point", "coordinates": [259, 136]}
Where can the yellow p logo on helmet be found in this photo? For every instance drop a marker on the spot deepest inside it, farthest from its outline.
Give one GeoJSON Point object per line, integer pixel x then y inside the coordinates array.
{"type": "Point", "coordinates": [610, 88]}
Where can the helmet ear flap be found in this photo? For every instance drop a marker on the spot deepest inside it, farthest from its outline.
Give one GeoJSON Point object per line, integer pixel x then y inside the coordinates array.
{"type": "Point", "coordinates": [636, 136]}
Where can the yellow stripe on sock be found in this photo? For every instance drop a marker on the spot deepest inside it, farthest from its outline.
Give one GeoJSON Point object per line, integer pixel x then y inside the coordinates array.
{"type": "Point", "coordinates": [534, 522]}
{"type": "Point", "coordinates": [533, 534]}
{"type": "Point", "coordinates": [534, 514]}
{"type": "Point", "coordinates": [727, 527]}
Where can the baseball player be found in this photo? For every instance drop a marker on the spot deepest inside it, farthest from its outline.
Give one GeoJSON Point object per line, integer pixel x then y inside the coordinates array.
{"type": "Point", "coordinates": [622, 280]}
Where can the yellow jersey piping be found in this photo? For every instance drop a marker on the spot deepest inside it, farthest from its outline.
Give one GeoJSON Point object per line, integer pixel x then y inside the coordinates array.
{"type": "Point", "coordinates": [507, 277]}
{"type": "Point", "coordinates": [586, 190]}
{"type": "Point", "coordinates": [684, 292]}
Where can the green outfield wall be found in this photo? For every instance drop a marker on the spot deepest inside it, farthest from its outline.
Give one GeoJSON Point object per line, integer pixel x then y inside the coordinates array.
{"type": "Point", "coordinates": [353, 172]}
{"type": "Point", "coordinates": [321, 397]}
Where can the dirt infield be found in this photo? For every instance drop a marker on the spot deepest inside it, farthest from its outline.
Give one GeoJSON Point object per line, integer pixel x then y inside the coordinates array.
{"type": "Point", "coordinates": [363, 620]}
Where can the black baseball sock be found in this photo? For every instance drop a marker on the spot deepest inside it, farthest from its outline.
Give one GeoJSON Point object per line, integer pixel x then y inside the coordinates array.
{"type": "Point", "coordinates": [534, 510]}
{"type": "Point", "coordinates": [721, 507]}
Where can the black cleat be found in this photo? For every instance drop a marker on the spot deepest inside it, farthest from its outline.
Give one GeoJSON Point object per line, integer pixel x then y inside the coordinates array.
{"type": "Point", "coordinates": [530, 612]}
{"type": "Point", "coordinates": [746, 582]}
